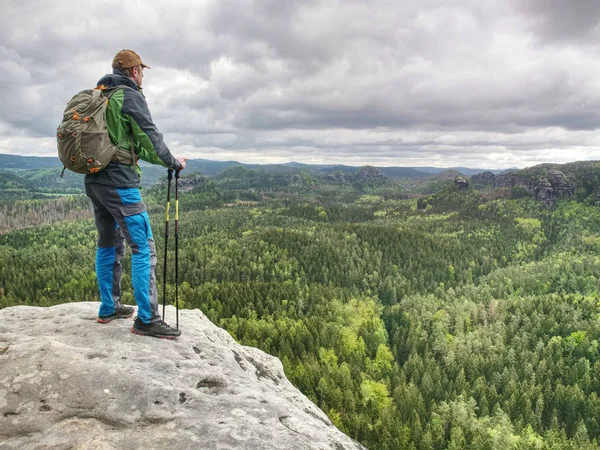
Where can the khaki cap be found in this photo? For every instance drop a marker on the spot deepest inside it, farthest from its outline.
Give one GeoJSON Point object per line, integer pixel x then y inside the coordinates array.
{"type": "Point", "coordinates": [126, 59]}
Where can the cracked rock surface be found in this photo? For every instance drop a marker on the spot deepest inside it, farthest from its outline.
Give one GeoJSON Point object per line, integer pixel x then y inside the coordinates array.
{"type": "Point", "coordinates": [67, 381]}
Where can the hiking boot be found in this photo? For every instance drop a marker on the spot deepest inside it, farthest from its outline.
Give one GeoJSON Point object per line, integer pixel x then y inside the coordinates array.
{"type": "Point", "coordinates": [122, 312]}
{"type": "Point", "coordinates": [157, 329]}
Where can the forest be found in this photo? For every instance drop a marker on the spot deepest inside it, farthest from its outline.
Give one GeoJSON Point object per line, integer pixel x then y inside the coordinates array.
{"type": "Point", "coordinates": [416, 313]}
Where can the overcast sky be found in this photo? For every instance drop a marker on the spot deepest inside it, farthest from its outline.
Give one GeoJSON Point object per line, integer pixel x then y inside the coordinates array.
{"type": "Point", "coordinates": [483, 84]}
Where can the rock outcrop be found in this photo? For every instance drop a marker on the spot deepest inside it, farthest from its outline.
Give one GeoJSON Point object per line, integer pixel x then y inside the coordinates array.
{"type": "Point", "coordinates": [549, 188]}
{"type": "Point", "coordinates": [189, 183]}
{"type": "Point", "coordinates": [461, 183]}
{"type": "Point", "coordinates": [68, 382]}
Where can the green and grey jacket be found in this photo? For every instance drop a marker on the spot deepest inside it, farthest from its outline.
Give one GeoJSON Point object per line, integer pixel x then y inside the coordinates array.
{"type": "Point", "coordinates": [129, 122]}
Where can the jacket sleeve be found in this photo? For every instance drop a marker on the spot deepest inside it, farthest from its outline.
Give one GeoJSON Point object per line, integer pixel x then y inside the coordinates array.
{"type": "Point", "coordinates": [149, 142]}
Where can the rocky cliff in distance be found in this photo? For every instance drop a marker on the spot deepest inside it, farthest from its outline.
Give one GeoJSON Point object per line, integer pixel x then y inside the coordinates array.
{"type": "Point", "coordinates": [547, 182]}
{"type": "Point", "coordinates": [68, 382]}
{"type": "Point", "coordinates": [367, 176]}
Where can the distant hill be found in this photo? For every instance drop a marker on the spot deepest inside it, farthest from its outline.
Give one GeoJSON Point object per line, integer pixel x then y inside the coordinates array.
{"type": "Point", "coordinates": [462, 170]}
{"type": "Point", "coordinates": [9, 180]}
{"type": "Point", "coordinates": [211, 168]}
{"type": "Point", "coordinates": [391, 172]}
{"type": "Point", "coordinates": [208, 167]}
{"type": "Point", "coordinates": [28, 162]}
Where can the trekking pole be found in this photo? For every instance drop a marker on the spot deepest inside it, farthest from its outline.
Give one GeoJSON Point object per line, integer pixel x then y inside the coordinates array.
{"type": "Point", "coordinates": [169, 178]}
{"type": "Point", "coordinates": [177, 245]}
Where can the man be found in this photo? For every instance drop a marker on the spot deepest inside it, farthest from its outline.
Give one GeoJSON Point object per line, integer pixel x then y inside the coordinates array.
{"type": "Point", "coordinates": [119, 211]}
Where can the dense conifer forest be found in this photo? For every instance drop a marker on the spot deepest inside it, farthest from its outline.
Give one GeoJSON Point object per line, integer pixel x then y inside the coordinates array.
{"type": "Point", "coordinates": [418, 315]}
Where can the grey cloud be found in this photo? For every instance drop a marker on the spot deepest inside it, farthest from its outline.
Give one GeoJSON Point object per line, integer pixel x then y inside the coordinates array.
{"type": "Point", "coordinates": [562, 20]}
{"type": "Point", "coordinates": [206, 98]}
{"type": "Point", "coordinates": [277, 27]}
{"type": "Point", "coordinates": [286, 76]}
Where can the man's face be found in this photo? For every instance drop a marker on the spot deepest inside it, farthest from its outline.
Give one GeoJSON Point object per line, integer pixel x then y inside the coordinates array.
{"type": "Point", "coordinates": [137, 75]}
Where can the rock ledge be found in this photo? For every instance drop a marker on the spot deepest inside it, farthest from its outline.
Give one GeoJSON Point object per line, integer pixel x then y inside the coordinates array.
{"type": "Point", "coordinates": [67, 381]}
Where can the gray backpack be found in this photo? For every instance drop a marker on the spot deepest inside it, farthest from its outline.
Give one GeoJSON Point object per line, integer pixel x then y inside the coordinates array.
{"type": "Point", "coordinates": [84, 145]}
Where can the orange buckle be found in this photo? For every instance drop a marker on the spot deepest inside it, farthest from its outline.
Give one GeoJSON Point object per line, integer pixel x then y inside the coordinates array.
{"type": "Point", "coordinates": [94, 169]}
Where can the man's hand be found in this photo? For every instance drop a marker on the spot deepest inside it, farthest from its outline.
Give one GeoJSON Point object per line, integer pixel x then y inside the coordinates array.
{"type": "Point", "coordinates": [182, 160]}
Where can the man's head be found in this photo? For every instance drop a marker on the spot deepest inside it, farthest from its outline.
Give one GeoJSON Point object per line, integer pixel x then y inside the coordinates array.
{"type": "Point", "coordinates": [130, 63]}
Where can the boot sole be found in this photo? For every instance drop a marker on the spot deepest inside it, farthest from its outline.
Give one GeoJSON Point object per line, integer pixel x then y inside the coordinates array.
{"type": "Point", "coordinates": [141, 333]}
{"type": "Point", "coordinates": [110, 319]}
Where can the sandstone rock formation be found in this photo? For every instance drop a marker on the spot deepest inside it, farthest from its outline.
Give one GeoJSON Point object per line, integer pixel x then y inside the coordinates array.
{"type": "Point", "coordinates": [461, 183]}
{"type": "Point", "coordinates": [188, 183]}
{"type": "Point", "coordinates": [69, 382]}
{"type": "Point", "coordinates": [548, 188]}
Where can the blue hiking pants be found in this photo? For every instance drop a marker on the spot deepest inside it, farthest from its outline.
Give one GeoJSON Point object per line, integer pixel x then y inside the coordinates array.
{"type": "Point", "coordinates": [121, 216]}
